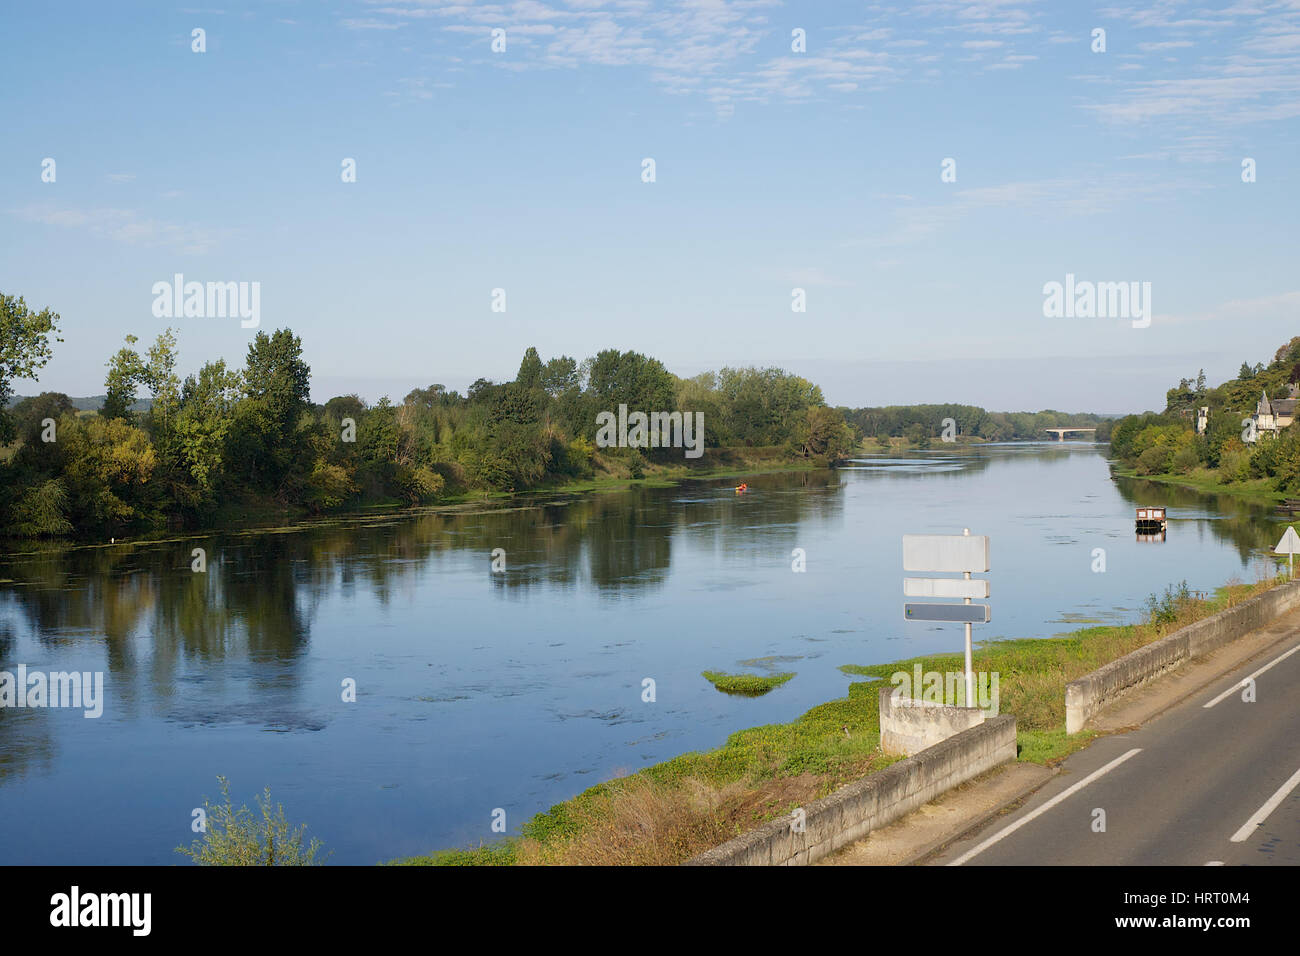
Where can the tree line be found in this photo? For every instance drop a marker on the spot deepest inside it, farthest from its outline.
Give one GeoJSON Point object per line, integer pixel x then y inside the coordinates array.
{"type": "Point", "coordinates": [228, 440]}
{"type": "Point", "coordinates": [234, 441]}
{"type": "Point", "coordinates": [922, 423]}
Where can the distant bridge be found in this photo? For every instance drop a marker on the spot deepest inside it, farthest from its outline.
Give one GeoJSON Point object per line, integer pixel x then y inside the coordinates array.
{"type": "Point", "coordinates": [1060, 432]}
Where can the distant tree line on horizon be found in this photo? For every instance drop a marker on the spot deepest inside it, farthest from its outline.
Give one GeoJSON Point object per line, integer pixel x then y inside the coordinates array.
{"type": "Point", "coordinates": [921, 424]}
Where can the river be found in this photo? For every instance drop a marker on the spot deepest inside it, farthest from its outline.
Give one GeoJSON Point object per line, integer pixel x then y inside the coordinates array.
{"type": "Point", "coordinates": [479, 689]}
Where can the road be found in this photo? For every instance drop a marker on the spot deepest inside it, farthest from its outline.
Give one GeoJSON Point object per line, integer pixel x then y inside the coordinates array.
{"type": "Point", "coordinates": [1213, 781]}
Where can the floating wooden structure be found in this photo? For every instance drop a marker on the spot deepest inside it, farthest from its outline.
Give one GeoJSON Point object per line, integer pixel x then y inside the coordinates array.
{"type": "Point", "coordinates": [1150, 521]}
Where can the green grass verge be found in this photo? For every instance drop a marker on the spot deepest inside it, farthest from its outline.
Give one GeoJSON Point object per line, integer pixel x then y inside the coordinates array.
{"type": "Point", "coordinates": [491, 854]}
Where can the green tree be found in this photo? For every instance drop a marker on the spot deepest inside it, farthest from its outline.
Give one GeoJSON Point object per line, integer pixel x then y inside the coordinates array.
{"type": "Point", "coordinates": [266, 436]}
{"type": "Point", "coordinates": [24, 350]}
{"type": "Point", "coordinates": [530, 370]}
{"type": "Point", "coordinates": [109, 467]}
{"type": "Point", "coordinates": [30, 414]}
{"type": "Point", "coordinates": [42, 511]}
{"type": "Point", "coordinates": [378, 434]}
{"type": "Point", "coordinates": [559, 376]}
{"type": "Point", "coordinates": [203, 422]}
{"type": "Point", "coordinates": [631, 379]}
{"type": "Point", "coordinates": [349, 406]}
{"type": "Point", "coordinates": [825, 434]}
{"type": "Point", "coordinates": [158, 374]}
{"type": "Point", "coordinates": [764, 406]}
{"type": "Point", "coordinates": [125, 370]}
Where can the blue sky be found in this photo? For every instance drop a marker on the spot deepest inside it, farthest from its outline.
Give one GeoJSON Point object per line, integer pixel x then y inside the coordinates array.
{"type": "Point", "coordinates": [775, 169]}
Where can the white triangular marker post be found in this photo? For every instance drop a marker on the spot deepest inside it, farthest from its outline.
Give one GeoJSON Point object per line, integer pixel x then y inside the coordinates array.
{"type": "Point", "coordinates": [1289, 545]}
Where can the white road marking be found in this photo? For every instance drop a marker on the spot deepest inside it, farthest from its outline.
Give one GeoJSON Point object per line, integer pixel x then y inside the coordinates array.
{"type": "Point", "coordinates": [1242, 683]}
{"type": "Point", "coordinates": [1215, 863]}
{"type": "Point", "coordinates": [1007, 831]}
{"type": "Point", "coordinates": [1250, 826]}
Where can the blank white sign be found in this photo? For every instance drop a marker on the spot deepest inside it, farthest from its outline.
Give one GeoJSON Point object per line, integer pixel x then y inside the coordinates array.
{"type": "Point", "coordinates": [1290, 543]}
{"type": "Point", "coordinates": [945, 552]}
{"type": "Point", "coordinates": [945, 587]}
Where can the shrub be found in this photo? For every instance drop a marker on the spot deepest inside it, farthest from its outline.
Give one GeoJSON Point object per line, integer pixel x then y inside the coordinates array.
{"type": "Point", "coordinates": [420, 483]}
{"type": "Point", "coordinates": [1187, 457]}
{"type": "Point", "coordinates": [1153, 461]}
{"type": "Point", "coordinates": [328, 487]}
{"type": "Point", "coordinates": [636, 464]}
{"type": "Point", "coordinates": [1166, 609]}
{"type": "Point", "coordinates": [1234, 465]}
{"type": "Point", "coordinates": [239, 838]}
{"type": "Point", "coordinates": [42, 511]}
{"type": "Point", "coordinates": [578, 455]}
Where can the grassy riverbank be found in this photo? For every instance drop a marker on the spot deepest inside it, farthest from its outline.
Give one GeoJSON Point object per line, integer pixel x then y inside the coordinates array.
{"type": "Point", "coordinates": [668, 812]}
{"type": "Point", "coordinates": [1209, 480]}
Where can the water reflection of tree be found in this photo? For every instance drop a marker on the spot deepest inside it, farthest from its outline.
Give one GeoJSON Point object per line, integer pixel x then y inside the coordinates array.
{"type": "Point", "coordinates": [159, 624]}
{"type": "Point", "coordinates": [1244, 524]}
{"type": "Point", "coordinates": [25, 742]}
{"type": "Point", "coordinates": [260, 591]}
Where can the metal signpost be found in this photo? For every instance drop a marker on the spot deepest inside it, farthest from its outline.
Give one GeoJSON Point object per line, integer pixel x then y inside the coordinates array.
{"type": "Point", "coordinates": [1289, 545]}
{"type": "Point", "coordinates": [953, 552]}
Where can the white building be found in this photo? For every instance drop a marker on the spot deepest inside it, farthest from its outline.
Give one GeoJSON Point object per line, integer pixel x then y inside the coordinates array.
{"type": "Point", "coordinates": [1272, 416]}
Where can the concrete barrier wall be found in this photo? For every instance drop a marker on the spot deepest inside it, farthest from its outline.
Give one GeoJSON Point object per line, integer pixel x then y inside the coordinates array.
{"type": "Point", "coordinates": [853, 811]}
{"type": "Point", "coordinates": [908, 726]}
{"type": "Point", "coordinates": [1087, 695]}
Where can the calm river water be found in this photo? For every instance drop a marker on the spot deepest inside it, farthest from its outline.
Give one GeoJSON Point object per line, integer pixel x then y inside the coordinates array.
{"type": "Point", "coordinates": [478, 690]}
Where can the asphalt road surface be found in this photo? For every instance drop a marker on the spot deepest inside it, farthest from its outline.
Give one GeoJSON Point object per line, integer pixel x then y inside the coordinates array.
{"type": "Point", "coordinates": [1213, 781]}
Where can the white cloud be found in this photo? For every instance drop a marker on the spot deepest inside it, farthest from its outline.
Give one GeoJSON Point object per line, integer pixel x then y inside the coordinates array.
{"type": "Point", "coordinates": [1282, 306]}
{"type": "Point", "coordinates": [125, 225]}
{"type": "Point", "coordinates": [370, 24]}
{"type": "Point", "coordinates": [815, 278]}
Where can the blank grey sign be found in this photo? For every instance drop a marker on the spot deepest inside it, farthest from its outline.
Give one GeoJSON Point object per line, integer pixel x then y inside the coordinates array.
{"type": "Point", "coordinates": [945, 552]}
{"type": "Point", "coordinates": [946, 587]}
{"type": "Point", "coordinates": [951, 613]}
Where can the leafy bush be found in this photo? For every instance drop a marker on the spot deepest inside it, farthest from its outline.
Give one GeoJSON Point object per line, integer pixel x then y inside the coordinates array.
{"type": "Point", "coordinates": [1166, 609]}
{"type": "Point", "coordinates": [636, 464]}
{"type": "Point", "coordinates": [328, 487]}
{"type": "Point", "coordinates": [1187, 457]}
{"type": "Point", "coordinates": [420, 483]}
{"type": "Point", "coordinates": [42, 511]}
{"type": "Point", "coordinates": [1234, 464]}
{"type": "Point", "coordinates": [1153, 461]}
{"type": "Point", "coordinates": [244, 838]}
